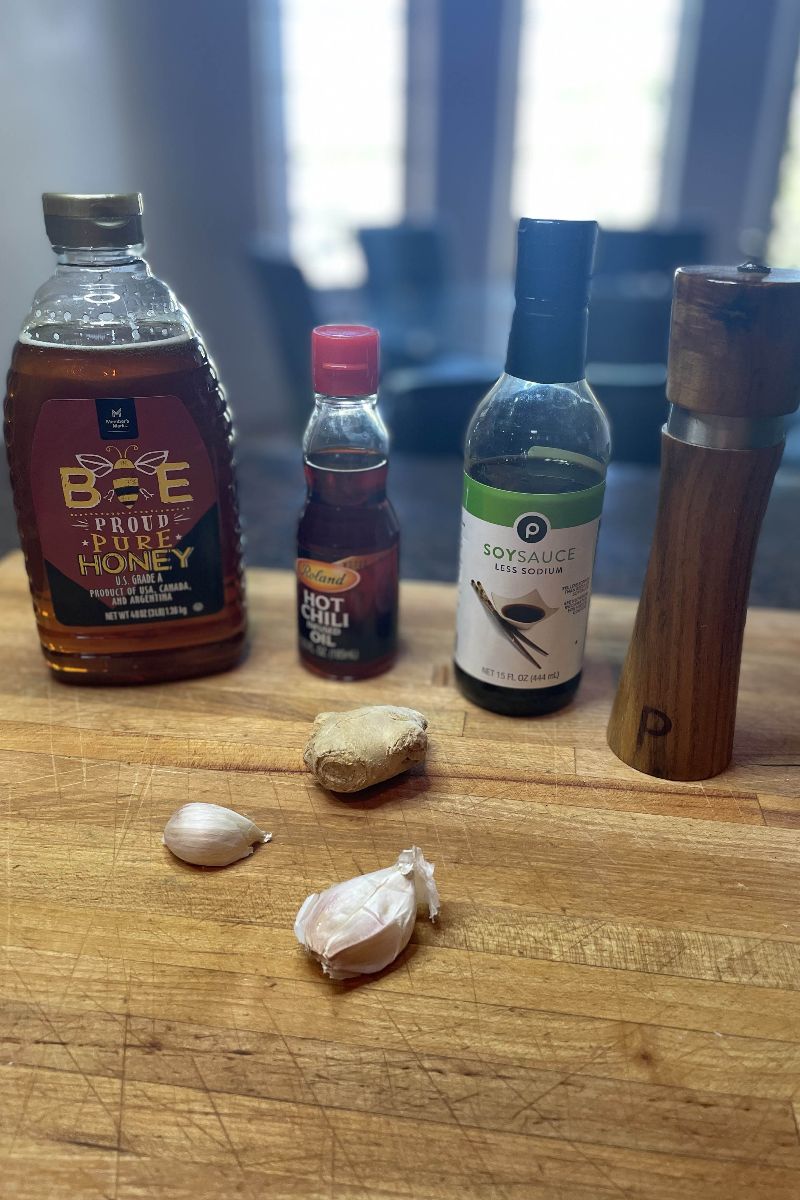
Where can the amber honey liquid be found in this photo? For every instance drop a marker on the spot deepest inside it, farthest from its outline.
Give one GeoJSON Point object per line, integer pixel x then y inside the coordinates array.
{"type": "Point", "coordinates": [144, 652]}
{"type": "Point", "coordinates": [348, 549]}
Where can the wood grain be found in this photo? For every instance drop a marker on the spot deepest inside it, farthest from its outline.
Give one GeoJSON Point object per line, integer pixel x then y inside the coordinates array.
{"type": "Point", "coordinates": [675, 709]}
{"type": "Point", "coordinates": [734, 349]}
{"type": "Point", "coordinates": [609, 1005]}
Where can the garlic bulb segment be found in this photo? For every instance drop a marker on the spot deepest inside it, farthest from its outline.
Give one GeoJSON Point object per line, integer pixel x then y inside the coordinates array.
{"type": "Point", "coordinates": [209, 835]}
{"type": "Point", "coordinates": [360, 926]}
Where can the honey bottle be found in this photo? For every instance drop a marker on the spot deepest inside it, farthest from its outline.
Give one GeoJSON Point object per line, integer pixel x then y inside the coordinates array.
{"type": "Point", "coordinates": [119, 445]}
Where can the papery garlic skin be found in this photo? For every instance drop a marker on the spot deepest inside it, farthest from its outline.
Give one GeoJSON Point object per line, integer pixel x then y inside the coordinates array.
{"type": "Point", "coordinates": [208, 835]}
{"type": "Point", "coordinates": [360, 926]}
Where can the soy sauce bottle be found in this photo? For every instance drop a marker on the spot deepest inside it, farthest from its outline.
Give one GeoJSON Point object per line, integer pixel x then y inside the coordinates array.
{"type": "Point", "coordinates": [348, 537]}
{"type": "Point", "coordinates": [534, 477]}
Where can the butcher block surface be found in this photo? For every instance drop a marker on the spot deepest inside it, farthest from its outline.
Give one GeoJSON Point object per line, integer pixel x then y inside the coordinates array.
{"type": "Point", "coordinates": [609, 1005]}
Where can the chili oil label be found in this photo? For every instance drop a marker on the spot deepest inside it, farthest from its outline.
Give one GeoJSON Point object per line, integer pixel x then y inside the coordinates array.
{"type": "Point", "coordinates": [347, 609]}
{"type": "Point", "coordinates": [126, 510]}
{"type": "Point", "coordinates": [524, 583]}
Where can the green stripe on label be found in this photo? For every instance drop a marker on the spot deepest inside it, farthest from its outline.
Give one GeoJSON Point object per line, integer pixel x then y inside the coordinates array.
{"type": "Point", "coordinates": [562, 509]}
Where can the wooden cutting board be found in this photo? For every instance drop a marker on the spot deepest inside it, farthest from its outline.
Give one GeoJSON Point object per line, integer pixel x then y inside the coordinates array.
{"type": "Point", "coordinates": [608, 1006]}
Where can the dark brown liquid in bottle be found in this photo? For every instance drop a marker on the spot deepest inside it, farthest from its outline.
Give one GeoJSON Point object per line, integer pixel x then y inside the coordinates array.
{"type": "Point", "coordinates": [348, 628]}
{"type": "Point", "coordinates": [524, 613]}
{"type": "Point", "coordinates": [150, 651]}
{"type": "Point", "coordinates": [536, 476]}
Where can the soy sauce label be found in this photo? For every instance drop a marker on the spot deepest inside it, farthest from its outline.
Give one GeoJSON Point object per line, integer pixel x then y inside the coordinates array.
{"type": "Point", "coordinates": [347, 609]}
{"type": "Point", "coordinates": [126, 511]}
{"type": "Point", "coordinates": [524, 584]}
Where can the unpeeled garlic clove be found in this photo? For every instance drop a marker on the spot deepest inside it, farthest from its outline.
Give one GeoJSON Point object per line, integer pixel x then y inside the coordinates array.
{"type": "Point", "coordinates": [360, 926]}
{"type": "Point", "coordinates": [209, 835]}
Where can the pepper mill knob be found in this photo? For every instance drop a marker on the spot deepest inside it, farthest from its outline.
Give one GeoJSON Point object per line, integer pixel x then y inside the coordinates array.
{"type": "Point", "coordinates": [734, 343]}
{"type": "Point", "coordinates": [733, 374]}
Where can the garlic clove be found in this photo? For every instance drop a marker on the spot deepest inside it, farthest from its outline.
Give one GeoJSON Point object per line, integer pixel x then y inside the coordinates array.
{"type": "Point", "coordinates": [209, 835]}
{"type": "Point", "coordinates": [360, 926]}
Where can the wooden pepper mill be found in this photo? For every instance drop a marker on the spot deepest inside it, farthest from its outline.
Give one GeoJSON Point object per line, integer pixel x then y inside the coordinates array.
{"type": "Point", "coordinates": [734, 372]}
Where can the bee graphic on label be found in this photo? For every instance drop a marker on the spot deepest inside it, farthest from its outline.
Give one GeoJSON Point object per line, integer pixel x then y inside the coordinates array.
{"type": "Point", "coordinates": [124, 472]}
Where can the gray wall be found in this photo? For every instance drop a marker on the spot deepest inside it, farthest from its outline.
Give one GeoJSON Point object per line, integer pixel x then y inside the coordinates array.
{"type": "Point", "coordinates": [154, 96]}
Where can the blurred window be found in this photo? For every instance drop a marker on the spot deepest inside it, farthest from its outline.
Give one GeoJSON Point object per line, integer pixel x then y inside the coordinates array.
{"type": "Point", "coordinates": [595, 83]}
{"type": "Point", "coordinates": [784, 241]}
{"type": "Point", "coordinates": [344, 71]}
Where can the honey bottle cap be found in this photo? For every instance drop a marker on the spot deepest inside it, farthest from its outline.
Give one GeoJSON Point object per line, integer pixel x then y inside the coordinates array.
{"type": "Point", "coordinates": [93, 221]}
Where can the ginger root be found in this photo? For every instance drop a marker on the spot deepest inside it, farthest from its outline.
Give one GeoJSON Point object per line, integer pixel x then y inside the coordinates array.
{"type": "Point", "coordinates": [348, 751]}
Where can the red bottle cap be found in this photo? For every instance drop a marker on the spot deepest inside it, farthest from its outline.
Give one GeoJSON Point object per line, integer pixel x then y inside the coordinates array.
{"type": "Point", "coordinates": [344, 360]}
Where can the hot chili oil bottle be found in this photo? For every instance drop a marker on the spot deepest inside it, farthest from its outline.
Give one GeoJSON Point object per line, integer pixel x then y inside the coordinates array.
{"type": "Point", "coordinates": [119, 445]}
{"type": "Point", "coordinates": [348, 537]}
{"type": "Point", "coordinates": [534, 477]}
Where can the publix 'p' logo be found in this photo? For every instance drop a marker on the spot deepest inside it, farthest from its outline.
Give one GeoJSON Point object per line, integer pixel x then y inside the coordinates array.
{"type": "Point", "coordinates": [532, 527]}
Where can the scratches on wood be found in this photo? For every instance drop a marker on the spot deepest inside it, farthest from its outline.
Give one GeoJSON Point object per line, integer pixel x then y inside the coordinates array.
{"type": "Point", "coordinates": [607, 1007]}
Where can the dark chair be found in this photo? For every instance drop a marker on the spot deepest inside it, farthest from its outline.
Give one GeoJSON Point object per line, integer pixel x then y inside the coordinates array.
{"type": "Point", "coordinates": [632, 291]}
{"type": "Point", "coordinates": [634, 397]}
{"type": "Point", "coordinates": [629, 330]}
{"type": "Point", "coordinates": [428, 409]}
{"type": "Point", "coordinates": [625, 252]}
{"type": "Point", "coordinates": [292, 314]}
{"type": "Point", "coordinates": [405, 290]}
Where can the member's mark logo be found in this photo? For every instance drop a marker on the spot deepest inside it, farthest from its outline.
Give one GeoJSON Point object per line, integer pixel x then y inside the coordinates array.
{"type": "Point", "coordinates": [116, 418]}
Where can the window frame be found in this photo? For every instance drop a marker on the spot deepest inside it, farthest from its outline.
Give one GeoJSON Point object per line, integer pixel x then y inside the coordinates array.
{"type": "Point", "coordinates": [461, 81]}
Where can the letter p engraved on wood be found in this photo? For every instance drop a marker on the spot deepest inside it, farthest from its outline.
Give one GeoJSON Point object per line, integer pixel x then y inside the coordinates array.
{"type": "Point", "coordinates": [653, 723]}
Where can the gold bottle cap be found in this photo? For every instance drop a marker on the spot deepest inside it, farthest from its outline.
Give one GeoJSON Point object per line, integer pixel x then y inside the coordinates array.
{"type": "Point", "coordinates": [734, 346]}
{"type": "Point", "coordinates": [89, 222]}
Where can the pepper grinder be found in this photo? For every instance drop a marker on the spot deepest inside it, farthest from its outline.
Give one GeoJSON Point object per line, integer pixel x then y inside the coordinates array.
{"type": "Point", "coordinates": [733, 374]}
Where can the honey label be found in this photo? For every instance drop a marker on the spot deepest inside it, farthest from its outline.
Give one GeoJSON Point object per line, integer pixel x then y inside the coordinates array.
{"type": "Point", "coordinates": [126, 511]}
